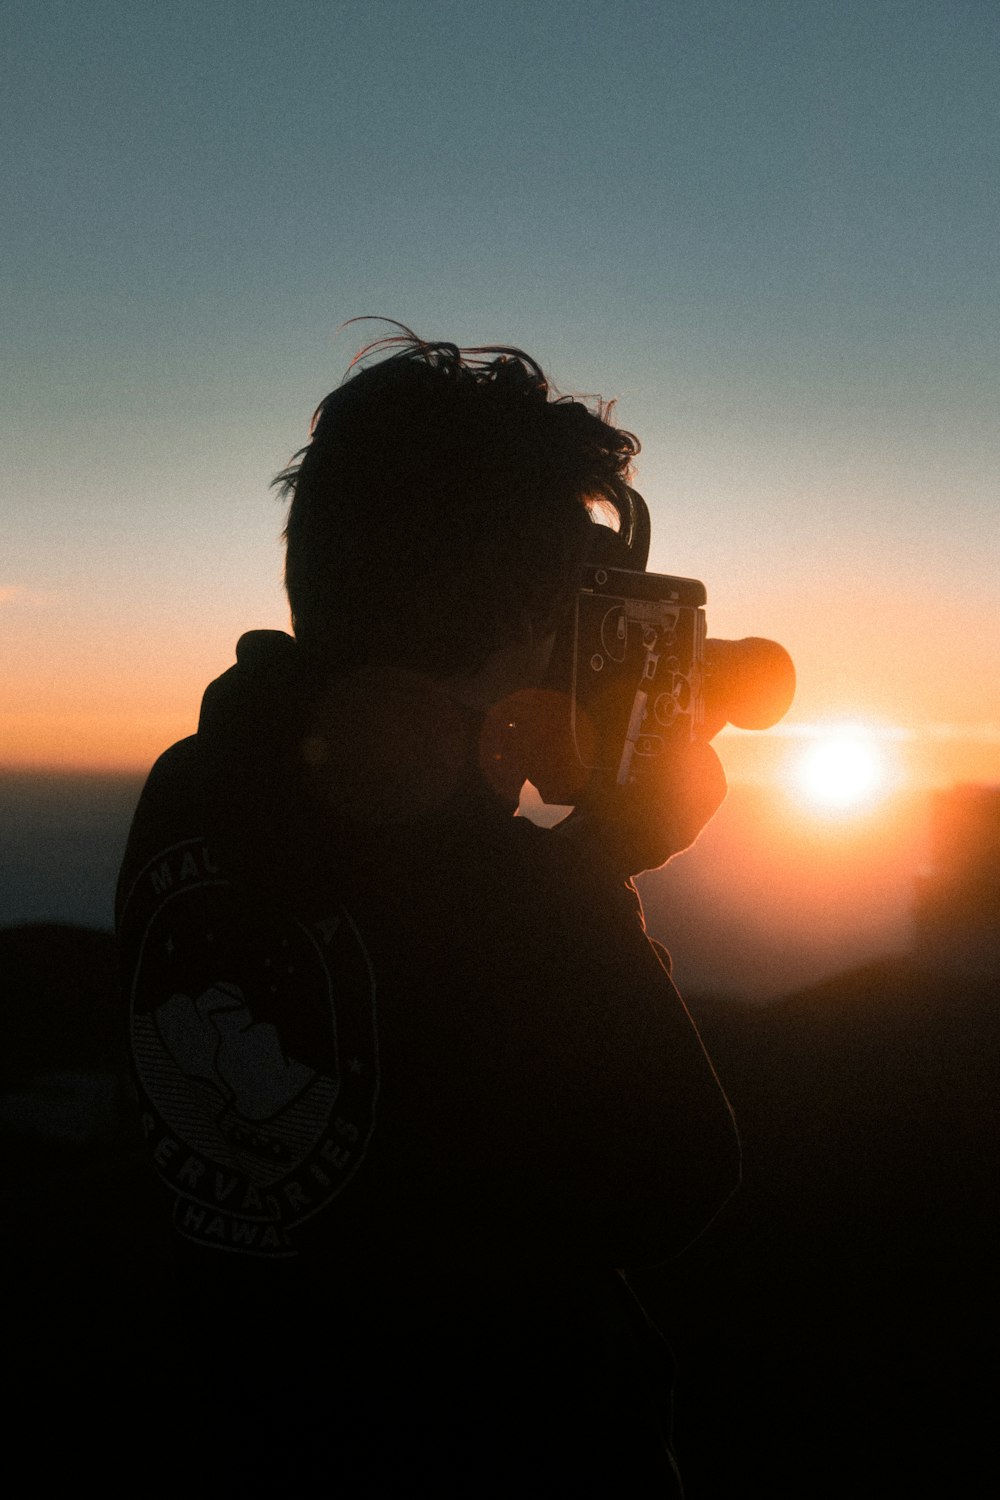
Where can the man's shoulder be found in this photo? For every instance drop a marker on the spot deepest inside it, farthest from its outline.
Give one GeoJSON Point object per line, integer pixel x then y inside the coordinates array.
{"type": "Point", "coordinates": [169, 811]}
{"type": "Point", "coordinates": [175, 770]}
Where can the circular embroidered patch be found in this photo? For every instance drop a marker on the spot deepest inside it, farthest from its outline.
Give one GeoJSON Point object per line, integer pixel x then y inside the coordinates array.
{"type": "Point", "coordinates": [255, 1050]}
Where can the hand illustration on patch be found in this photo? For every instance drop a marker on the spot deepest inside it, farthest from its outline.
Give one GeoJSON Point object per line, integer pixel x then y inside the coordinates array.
{"type": "Point", "coordinates": [215, 1037]}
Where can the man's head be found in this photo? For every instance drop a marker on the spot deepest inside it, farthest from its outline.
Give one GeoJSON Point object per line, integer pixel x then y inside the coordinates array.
{"type": "Point", "coordinates": [445, 497]}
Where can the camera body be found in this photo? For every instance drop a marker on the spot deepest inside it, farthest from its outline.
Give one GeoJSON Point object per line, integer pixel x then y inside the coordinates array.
{"type": "Point", "coordinates": [638, 669]}
{"type": "Point", "coordinates": [632, 665]}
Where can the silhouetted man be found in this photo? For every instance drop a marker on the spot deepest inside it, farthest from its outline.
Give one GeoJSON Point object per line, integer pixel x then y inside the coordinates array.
{"type": "Point", "coordinates": [413, 1076]}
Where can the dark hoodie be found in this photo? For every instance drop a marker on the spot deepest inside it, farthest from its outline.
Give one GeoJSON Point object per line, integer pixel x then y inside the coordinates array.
{"type": "Point", "coordinates": [417, 1083]}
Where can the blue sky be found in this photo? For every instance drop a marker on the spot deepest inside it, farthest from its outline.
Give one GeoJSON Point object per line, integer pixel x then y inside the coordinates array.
{"type": "Point", "coordinates": [770, 229]}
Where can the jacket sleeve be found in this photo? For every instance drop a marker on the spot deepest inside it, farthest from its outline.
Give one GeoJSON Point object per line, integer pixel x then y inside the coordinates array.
{"type": "Point", "coordinates": [632, 1136]}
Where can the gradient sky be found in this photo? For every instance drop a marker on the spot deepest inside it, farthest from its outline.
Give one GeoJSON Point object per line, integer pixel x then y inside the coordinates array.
{"type": "Point", "coordinates": [771, 230]}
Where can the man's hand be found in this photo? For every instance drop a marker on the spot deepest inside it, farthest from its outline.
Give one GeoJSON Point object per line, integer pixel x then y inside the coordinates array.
{"type": "Point", "coordinates": [640, 826]}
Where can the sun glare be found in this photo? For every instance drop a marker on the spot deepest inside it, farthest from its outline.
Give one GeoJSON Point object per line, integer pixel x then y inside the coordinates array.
{"type": "Point", "coordinates": [845, 771]}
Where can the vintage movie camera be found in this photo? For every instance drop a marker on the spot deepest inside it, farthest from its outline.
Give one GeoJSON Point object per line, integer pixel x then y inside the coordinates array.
{"type": "Point", "coordinates": [643, 677]}
{"type": "Point", "coordinates": [638, 668]}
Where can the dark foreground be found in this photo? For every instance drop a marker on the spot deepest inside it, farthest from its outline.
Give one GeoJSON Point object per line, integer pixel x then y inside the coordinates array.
{"type": "Point", "coordinates": [832, 1330]}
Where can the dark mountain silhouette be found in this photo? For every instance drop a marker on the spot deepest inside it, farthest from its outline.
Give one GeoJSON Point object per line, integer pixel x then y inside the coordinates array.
{"type": "Point", "coordinates": [59, 986]}
{"type": "Point", "coordinates": [78, 1211]}
{"type": "Point", "coordinates": [833, 1327]}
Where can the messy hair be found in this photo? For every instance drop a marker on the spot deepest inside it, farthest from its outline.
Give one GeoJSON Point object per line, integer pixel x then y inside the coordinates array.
{"type": "Point", "coordinates": [443, 492]}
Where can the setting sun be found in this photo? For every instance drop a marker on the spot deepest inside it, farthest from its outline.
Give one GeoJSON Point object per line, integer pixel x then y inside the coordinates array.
{"type": "Point", "coordinates": [842, 772]}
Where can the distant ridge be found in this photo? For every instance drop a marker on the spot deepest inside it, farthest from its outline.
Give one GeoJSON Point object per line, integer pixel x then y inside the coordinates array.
{"type": "Point", "coordinates": [842, 1308]}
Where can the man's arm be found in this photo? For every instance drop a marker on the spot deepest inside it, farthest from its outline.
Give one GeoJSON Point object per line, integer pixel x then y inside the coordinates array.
{"type": "Point", "coordinates": [617, 1105]}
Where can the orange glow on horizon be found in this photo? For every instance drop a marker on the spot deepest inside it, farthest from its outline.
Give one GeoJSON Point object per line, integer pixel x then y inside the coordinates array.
{"type": "Point", "coordinates": [89, 743]}
{"type": "Point", "coordinates": [130, 736]}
